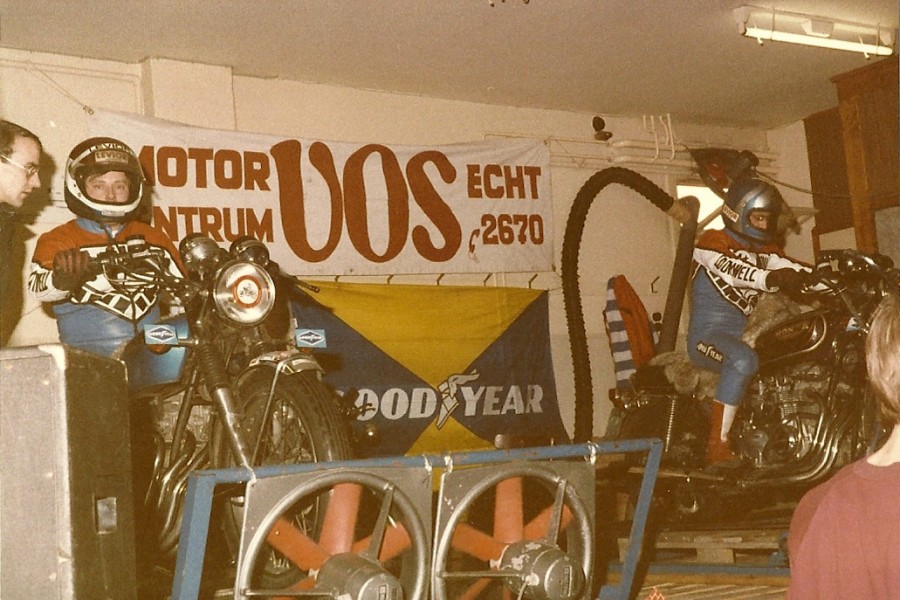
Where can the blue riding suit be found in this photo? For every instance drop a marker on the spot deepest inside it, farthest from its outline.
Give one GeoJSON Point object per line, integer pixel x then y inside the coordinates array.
{"type": "Point", "coordinates": [97, 316]}
{"type": "Point", "coordinates": [729, 275]}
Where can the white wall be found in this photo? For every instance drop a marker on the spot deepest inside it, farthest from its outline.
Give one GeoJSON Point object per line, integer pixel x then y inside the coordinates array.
{"type": "Point", "coordinates": [624, 233]}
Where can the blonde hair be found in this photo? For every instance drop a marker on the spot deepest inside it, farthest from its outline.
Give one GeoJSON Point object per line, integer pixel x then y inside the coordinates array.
{"type": "Point", "coordinates": [883, 357]}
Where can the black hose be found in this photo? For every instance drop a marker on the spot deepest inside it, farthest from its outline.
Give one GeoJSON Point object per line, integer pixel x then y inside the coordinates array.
{"type": "Point", "coordinates": [584, 410]}
{"type": "Point", "coordinates": [681, 268]}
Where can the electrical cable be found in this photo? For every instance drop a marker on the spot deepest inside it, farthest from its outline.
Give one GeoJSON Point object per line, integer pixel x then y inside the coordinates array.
{"type": "Point", "coordinates": [797, 188]}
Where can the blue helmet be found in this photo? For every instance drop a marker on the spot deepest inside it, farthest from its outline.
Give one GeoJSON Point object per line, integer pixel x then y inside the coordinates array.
{"type": "Point", "coordinates": [746, 197]}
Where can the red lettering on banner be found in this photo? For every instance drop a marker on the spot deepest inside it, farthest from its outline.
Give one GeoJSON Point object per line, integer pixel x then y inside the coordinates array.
{"type": "Point", "coordinates": [514, 182]}
{"type": "Point", "coordinates": [228, 169]}
{"type": "Point", "coordinates": [490, 190]}
{"type": "Point", "coordinates": [349, 199]}
{"type": "Point", "coordinates": [356, 212]}
{"type": "Point", "coordinates": [201, 157]}
{"type": "Point", "coordinates": [473, 179]}
{"type": "Point", "coordinates": [175, 158]}
{"type": "Point", "coordinates": [221, 224]}
{"type": "Point", "coordinates": [256, 171]}
{"type": "Point", "coordinates": [171, 166]}
{"type": "Point", "coordinates": [503, 181]}
{"type": "Point", "coordinates": [434, 207]}
{"type": "Point", "coordinates": [290, 188]}
{"type": "Point", "coordinates": [188, 213]}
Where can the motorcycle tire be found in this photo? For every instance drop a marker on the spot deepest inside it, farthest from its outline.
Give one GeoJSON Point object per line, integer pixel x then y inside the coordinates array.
{"type": "Point", "coordinates": [305, 425]}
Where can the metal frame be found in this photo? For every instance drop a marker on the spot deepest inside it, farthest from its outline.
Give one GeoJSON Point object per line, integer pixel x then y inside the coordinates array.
{"type": "Point", "coordinates": [409, 489]}
{"type": "Point", "coordinates": [201, 486]}
{"type": "Point", "coordinates": [574, 483]}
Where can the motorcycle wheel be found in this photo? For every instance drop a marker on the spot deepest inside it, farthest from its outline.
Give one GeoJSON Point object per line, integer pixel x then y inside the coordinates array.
{"type": "Point", "coordinates": [304, 426]}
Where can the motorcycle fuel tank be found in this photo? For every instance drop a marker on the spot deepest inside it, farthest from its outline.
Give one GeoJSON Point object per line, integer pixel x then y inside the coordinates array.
{"type": "Point", "coordinates": [147, 368]}
{"type": "Point", "coordinates": [800, 338]}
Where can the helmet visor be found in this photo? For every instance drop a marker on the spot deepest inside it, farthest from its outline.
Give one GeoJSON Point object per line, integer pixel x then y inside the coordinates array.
{"type": "Point", "coordinates": [762, 219]}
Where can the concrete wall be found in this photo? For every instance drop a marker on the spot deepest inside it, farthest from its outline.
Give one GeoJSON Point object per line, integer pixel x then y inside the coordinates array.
{"type": "Point", "coordinates": [624, 233]}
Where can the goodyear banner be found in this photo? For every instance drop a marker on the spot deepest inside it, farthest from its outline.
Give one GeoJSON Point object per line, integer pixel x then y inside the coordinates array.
{"type": "Point", "coordinates": [438, 368]}
{"type": "Point", "coordinates": [343, 208]}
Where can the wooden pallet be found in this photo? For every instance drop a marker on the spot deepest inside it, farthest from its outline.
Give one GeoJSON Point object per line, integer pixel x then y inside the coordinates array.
{"type": "Point", "coordinates": [717, 547]}
{"type": "Point", "coordinates": [665, 591]}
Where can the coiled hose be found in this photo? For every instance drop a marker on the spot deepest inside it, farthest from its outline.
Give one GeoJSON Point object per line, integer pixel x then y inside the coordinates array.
{"type": "Point", "coordinates": [684, 211]}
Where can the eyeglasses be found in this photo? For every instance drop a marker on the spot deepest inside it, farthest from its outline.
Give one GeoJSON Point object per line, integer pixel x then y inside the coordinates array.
{"type": "Point", "coordinates": [30, 171]}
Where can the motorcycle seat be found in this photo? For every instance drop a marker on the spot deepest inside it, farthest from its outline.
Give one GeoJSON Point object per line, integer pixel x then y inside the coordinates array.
{"type": "Point", "coordinates": [652, 378]}
{"type": "Point", "coordinates": [673, 372]}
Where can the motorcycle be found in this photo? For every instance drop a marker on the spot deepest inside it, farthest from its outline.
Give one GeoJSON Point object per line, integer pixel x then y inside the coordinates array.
{"type": "Point", "coordinates": [227, 382]}
{"type": "Point", "coordinates": [808, 412]}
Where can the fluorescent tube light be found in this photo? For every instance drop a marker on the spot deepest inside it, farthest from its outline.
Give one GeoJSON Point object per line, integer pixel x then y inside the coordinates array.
{"type": "Point", "coordinates": [764, 24]}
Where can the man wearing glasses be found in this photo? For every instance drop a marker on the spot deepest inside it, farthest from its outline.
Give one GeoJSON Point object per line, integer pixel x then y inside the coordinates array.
{"type": "Point", "coordinates": [20, 157]}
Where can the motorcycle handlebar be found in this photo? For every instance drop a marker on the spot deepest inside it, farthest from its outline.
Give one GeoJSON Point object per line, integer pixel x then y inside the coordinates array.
{"type": "Point", "coordinates": [836, 269]}
{"type": "Point", "coordinates": [133, 251]}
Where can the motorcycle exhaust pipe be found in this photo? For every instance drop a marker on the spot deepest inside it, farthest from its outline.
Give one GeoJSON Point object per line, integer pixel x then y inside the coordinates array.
{"type": "Point", "coordinates": [159, 459]}
{"type": "Point", "coordinates": [170, 529]}
{"type": "Point", "coordinates": [173, 471]}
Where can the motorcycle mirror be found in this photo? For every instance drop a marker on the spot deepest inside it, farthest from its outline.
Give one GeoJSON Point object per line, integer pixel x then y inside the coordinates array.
{"type": "Point", "coordinates": [249, 248]}
{"type": "Point", "coordinates": [199, 252]}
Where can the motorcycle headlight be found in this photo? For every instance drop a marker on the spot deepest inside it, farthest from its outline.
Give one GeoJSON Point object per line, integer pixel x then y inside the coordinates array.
{"type": "Point", "coordinates": [244, 292]}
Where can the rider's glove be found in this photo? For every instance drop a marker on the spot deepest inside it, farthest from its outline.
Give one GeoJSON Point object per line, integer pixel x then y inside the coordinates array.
{"type": "Point", "coordinates": [784, 280]}
{"type": "Point", "coordinates": [71, 268]}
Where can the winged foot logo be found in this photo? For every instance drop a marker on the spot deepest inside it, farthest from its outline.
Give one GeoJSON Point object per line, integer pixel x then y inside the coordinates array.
{"type": "Point", "coordinates": [159, 334]}
{"type": "Point", "coordinates": [456, 392]}
{"type": "Point", "coordinates": [310, 338]}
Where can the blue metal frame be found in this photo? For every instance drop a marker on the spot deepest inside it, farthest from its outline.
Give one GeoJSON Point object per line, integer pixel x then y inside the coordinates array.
{"type": "Point", "coordinates": [638, 524]}
{"type": "Point", "coordinates": [201, 485]}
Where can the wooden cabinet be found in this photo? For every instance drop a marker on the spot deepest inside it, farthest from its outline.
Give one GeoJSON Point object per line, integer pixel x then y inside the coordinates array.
{"type": "Point", "coordinates": [853, 152]}
{"type": "Point", "coordinates": [868, 101]}
{"type": "Point", "coordinates": [828, 172]}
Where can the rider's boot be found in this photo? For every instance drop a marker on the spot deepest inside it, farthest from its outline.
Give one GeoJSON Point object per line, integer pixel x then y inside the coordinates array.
{"type": "Point", "coordinates": [717, 449]}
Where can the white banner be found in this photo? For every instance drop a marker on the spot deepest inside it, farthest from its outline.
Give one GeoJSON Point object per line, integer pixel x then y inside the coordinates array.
{"type": "Point", "coordinates": [342, 208]}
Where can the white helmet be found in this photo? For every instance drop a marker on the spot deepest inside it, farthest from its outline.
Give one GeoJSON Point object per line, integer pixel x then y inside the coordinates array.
{"type": "Point", "coordinates": [96, 156]}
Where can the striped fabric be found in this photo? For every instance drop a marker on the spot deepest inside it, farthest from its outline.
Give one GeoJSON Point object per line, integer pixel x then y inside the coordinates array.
{"type": "Point", "coordinates": [620, 344]}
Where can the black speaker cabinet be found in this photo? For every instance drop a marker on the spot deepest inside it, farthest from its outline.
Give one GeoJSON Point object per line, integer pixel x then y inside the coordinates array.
{"type": "Point", "coordinates": [66, 506]}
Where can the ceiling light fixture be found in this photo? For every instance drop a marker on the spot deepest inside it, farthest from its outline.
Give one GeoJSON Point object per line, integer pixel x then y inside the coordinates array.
{"type": "Point", "coordinates": [763, 24]}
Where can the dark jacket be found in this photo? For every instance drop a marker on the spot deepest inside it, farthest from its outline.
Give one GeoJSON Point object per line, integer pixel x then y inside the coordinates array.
{"type": "Point", "coordinates": [7, 241]}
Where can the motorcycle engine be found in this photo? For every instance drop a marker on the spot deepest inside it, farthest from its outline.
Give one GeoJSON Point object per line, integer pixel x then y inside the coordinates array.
{"type": "Point", "coordinates": [780, 414]}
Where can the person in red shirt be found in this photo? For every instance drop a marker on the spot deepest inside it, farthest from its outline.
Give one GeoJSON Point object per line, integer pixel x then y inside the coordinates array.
{"type": "Point", "coordinates": [105, 188]}
{"type": "Point", "coordinates": [842, 541]}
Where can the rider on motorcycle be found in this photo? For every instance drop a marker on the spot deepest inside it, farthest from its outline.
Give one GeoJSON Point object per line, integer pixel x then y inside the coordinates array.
{"type": "Point", "coordinates": [104, 187]}
{"type": "Point", "coordinates": [732, 266]}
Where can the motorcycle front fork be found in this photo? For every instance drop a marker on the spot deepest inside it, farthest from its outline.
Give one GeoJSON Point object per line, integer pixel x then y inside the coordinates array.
{"type": "Point", "coordinates": [229, 408]}
{"type": "Point", "coordinates": [220, 390]}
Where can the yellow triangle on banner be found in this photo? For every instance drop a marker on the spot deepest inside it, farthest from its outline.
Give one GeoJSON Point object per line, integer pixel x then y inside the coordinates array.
{"type": "Point", "coordinates": [435, 441]}
{"type": "Point", "coordinates": [407, 322]}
